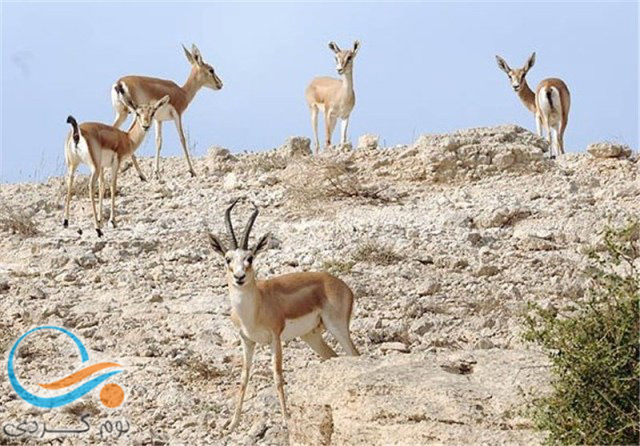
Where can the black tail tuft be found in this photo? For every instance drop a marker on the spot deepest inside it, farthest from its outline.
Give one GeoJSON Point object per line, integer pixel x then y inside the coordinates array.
{"type": "Point", "coordinates": [549, 94]}
{"type": "Point", "coordinates": [119, 89]}
{"type": "Point", "coordinates": [76, 134]}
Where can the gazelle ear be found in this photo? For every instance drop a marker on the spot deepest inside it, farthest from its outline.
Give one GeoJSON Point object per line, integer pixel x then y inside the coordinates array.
{"type": "Point", "coordinates": [217, 245]}
{"type": "Point", "coordinates": [196, 54]}
{"type": "Point", "coordinates": [188, 55]}
{"type": "Point", "coordinates": [502, 64]}
{"type": "Point", "coordinates": [334, 47]}
{"type": "Point", "coordinates": [262, 244]}
{"type": "Point", "coordinates": [162, 102]}
{"type": "Point", "coordinates": [530, 62]}
{"type": "Point", "coordinates": [356, 46]}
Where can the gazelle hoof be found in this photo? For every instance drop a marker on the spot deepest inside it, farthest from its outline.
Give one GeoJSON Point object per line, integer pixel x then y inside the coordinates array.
{"type": "Point", "coordinates": [113, 223]}
{"type": "Point", "coordinates": [99, 231]}
{"type": "Point", "coordinates": [79, 231]}
{"type": "Point", "coordinates": [193, 173]}
{"type": "Point", "coordinates": [65, 223]}
{"type": "Point", "coordinates": [143, 178]}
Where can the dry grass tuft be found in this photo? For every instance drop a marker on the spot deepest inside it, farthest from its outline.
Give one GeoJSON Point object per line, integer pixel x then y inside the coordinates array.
{"type": "Point", "coordinates": [375, 252]}
{"type": "Point", "coordinates": [17, 222]}
{"type": "Point", "coordinates": [201, 369]}
{"type": "Point", "coordinates": [83, 408]}
{"type": "Point", "coordinates": [317, 180]}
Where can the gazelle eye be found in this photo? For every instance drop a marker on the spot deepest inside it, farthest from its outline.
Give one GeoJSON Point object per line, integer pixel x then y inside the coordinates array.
{"type": "Point", "coordinates": [228, 261]}
{"type": "Point", "coordinates": [250, 260]}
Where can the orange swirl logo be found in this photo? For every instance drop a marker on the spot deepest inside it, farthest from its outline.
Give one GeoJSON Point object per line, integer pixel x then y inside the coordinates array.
{"type": "Point", "coordinates": [111, 394]}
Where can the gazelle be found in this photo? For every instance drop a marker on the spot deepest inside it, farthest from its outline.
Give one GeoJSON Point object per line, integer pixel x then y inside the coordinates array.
{"type": "Point", "coordinates": [147, 89]}
{"type": "Point", "coordinates": [550, 103]}
{"type": "Point", "coordinates": [335, 97]}
{"type": "Point", "coordinates": [100, 146]}
{"type": "Point", "coordinates": [281, 308]}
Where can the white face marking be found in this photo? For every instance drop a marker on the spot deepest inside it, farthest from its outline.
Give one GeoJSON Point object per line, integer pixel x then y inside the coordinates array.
{"type": "Point", "coordinates": [239, 266]}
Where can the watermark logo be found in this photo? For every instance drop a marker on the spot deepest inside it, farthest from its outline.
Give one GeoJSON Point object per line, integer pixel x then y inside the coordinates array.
{"type": "Point", "coordinates": [111, 395]}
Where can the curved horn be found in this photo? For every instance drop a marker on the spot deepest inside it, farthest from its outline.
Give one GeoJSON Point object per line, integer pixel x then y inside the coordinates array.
{"type": "Point", "coordinates": [227, 219]}
{"type": "Point", "coordinates": [247, 229]}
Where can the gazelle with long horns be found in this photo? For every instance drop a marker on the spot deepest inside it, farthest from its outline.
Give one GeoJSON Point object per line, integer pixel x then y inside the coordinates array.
{"type": "Point", "coordinates": [100, 146]}
{"type": "Point", "coordinates": [335, 97]}
{"type": "Point", "coordinates": [144, 90]}
{"type": "Point", "coordinates": [280, 308]}
{"type": "Point", "coordinates": [549, 104]}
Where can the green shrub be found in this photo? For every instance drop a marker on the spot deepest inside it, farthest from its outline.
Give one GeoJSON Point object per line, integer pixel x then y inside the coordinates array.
{"type": "Point", "coordinates": [594, 351]}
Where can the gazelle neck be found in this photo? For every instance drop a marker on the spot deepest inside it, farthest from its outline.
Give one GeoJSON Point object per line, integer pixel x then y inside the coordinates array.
{"type": "Point", "coordinates": [192, 85]}
{"type": "Point", "coordinates": [245, 300]}
{"type": "Point", "coordinates": [528, 97]}
{"type": "Point", "coordinates": [347, 82]}
{"type": "Point", "coordinates": [135, 134]}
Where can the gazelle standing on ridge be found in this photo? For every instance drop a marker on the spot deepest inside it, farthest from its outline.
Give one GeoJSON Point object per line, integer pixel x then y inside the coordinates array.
{"type": "Point", "coordinates": [100, 146]}
{"type": "Point", "coordinates": [335, 97]}
{"type": "Point", "coordinates": [550, 103]}
{"type": "Point", "coordinates": [147, 89]}
{"type": "Point", "coordinates": [281, 308]}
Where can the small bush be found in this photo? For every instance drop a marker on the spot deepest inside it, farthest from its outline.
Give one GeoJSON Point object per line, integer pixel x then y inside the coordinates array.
{"type": "Point", "coordinates": [594, 351]}
{"type": "Point", "coordinates": [374, 252]}
{"type": "Point", "coordinates": [338, 266]}
{"type": "Point", "coordinates": [17, 222]}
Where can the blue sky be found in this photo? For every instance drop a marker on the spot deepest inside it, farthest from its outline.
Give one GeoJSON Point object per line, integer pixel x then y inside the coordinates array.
{"type": "Point", "coordinates": [422, 68]}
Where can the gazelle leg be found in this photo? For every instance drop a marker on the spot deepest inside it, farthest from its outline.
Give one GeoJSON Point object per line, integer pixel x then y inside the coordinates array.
{"type": "Point", "coordinates": [563, 126]}
{"type": "Point", "coordinates": [330, 124]}
{"type": "Point", "coordinates": [158, 147]}
{"type": "Point", "coordinates": [340, 330]}
{"type": "Point", "coordinates": [134, 160]}
{"type": "Point", "coordinates": [555, 139]}
{"type": "Point", "coordinates": [314, 126]}
{"type": "Point", "coordinates": [92, 185]}
{"type": "Point", "coordinates": [70, 174]}
{"type": "Point", "coordinates": [248, 347]}
{"type": "Point", "coordinates": [539, 124]}
{"type": "Point", "coordinates": [345, 125]}
{"type": "Point", "coordinates": [276, 362]}
{"type": "Point", "coordinates": [178, 120]}
{"type": "Point", "coordinates": [547, 128]}
{"type": "Point", "coordinates": [100, 195]}
{"type": "Point", "coordinates": [315, 341]}
{"type": "Point", "coordinates": [114, 178]}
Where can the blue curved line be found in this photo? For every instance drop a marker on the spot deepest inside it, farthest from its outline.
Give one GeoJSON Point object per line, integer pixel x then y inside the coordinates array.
{"type": "Point", "coordinates": [60, 400]}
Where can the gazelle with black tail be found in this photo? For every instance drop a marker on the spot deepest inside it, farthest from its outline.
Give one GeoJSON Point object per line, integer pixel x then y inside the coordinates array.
{"type": "Point", "coordinates": [550, 103]}
{"type": "Point", "coordinates": [280, 308]}
{"type": "Point", "coordinates": [144, 90]}
{"type": "Point", "coordinates": [100, 146]}
{"type": "Point", "coordinates": [335, 97]}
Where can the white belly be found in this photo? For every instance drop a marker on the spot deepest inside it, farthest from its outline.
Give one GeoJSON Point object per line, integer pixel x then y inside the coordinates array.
{"type": "Point", "coordinates": [295, 328]}
{"type": "Point", "coordinates": [165, 113]}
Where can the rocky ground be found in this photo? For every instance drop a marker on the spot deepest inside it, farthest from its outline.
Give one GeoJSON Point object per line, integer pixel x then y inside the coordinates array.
{"type": "Point", "coordinates": [444, 241]}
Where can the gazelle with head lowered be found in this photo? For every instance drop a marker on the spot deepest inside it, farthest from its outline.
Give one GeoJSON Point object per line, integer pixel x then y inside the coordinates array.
{"type": "Point", "coordinates": [335, 97]}
{"type": "Point", "coordinates": [144, 90]}
{"type": "Point", "coordinates": [101, 146]}
{"type": "Point", "coordinates": [549, 104]}
{"type": "Point", "coordinates": [280, 308]}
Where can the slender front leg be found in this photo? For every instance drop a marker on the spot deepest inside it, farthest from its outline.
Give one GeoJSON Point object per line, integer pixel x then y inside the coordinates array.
{"type": "Point", "coordinates": [114, 177]}
{"type": "Point", "coordinates": [71, 173]}
{"type": "Point", "coordinates": [248, 347]}
{"type": "Point", "coordinates": [158, 147]}
{"type": "Point", "coordinates": [539, 124]}
{"type": "Point", "coordinates": [134, 160]}
{"type": "Point", "coordinates": [563, 126]}
{"type": "Point", "coordinates": [345, 125]}
{"type": "Point", "coordinates": [178, 120]}
{"type": "Point", "coordinates": [329, 124]}
{"type": "Point", "coordinates": [92, 185]}
{"type": "Point", "coordinates": [276, 362]}
{"type": "Point", "coordinates": [314, 126]}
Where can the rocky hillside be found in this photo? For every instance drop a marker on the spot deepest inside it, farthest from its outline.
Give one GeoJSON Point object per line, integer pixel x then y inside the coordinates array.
{"type": "Point", "coordinates": [444, 242]}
